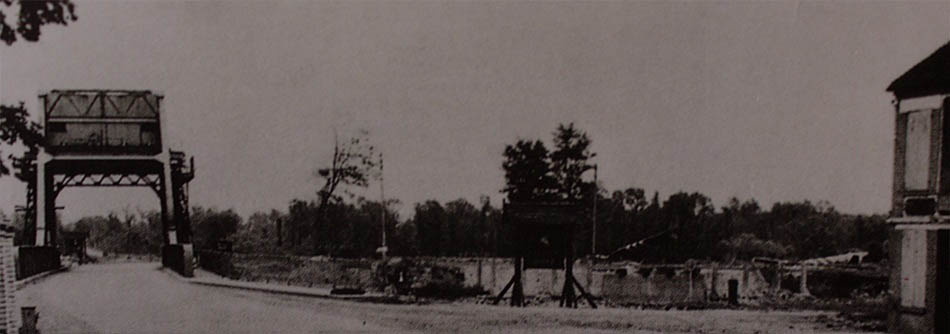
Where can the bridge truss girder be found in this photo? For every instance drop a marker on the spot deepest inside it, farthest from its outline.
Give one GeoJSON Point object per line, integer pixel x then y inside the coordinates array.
{"type": "Point", "coordinates": [62, 181]}
{"type": "Point", "coordinates": [59, 174]}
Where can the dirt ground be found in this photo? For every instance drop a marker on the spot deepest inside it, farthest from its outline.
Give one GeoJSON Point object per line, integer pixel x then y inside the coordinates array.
{"type": "Point", "coordinates": [464, 317]}
{"type": "Point", "coordinates": [485, 318]}
{"type": "Point", "coordinates": [133, 298]}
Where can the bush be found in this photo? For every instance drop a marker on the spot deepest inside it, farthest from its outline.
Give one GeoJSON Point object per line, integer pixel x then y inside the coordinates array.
{"type": "Point", "coordinates": [406, 277]}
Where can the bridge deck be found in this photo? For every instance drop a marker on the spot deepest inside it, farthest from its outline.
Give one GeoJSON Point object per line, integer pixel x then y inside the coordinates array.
{"type": "Point", "coordinates": [138, 298]}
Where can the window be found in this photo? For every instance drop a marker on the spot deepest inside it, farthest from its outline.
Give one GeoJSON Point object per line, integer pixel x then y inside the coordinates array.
{"type": "Point", "coordinates": [917, 151]}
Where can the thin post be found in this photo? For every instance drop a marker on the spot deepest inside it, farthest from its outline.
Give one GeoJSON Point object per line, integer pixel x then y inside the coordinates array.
{"type": "Point", "coordinates": [382, 203]}
{"type": "Point", "coordinates": [517, 295]}
{"type": "Point", "coordinates": [593, 238]}
{"type": "Point", "coordinates": [568, 297]}
{"type": "Point", "coordinates": [804, 281]}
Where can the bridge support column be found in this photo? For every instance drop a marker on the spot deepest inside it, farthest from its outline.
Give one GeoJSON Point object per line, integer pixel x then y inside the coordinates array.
{"type": "Point", "coordinates": [178, 252]}
{"type": "Point", "coordinates": [168, 202]}
{"type": "Point", "coordinates": [42, 197]}
{"type": "Point", "coordinates": [187, 257]}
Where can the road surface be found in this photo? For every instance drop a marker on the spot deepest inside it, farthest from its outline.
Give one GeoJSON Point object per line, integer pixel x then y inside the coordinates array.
{"type": "Point", "coordinates": [140, 298]}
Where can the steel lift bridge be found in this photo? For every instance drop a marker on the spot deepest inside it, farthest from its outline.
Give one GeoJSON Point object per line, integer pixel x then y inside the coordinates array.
{"type": "Point", "coordinates": [105, 138]}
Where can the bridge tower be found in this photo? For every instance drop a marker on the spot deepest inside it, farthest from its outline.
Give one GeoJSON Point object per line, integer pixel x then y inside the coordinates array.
{"type": "Point", "coordinates": [107, 138]}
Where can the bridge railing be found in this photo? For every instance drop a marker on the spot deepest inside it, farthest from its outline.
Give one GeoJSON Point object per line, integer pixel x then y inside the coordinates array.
{"type": "Point", "coordinates": [33, 260]}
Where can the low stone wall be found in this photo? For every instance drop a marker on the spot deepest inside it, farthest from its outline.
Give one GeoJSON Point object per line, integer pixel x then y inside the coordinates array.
{"type": "Point", "coordinates": [492, 274]}
{"type": "Point", "coordinates": [655, 286]}
{"type": "Point", "coordinates": [621, 283]}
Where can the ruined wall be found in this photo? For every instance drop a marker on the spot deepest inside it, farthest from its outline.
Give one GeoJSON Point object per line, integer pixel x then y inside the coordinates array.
{"type": "Point", "coordinates": [752, 284]}
{"type": "Point", "coordinates": [492, 274]}
{"type": "Point", "coordinates": [632, 284]}
{"type": "Point", "coordinates": [654, 286]}
{"type": "Point", "coordinates": [621, 283]}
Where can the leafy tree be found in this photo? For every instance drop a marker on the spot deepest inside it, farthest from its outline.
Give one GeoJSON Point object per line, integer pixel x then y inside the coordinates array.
{"type": "Point", "coordinates": [299, 225]}
{"type": "Point", "coordinates": [258, 234]}
{"type": "Point", "coordinates": [532, 173]}
{"type": "Point", "coordinates": [122, 233]}
{"type": "Point", "coordinates": [745, 246]}
{"type": "Point", "coordinates": [528, 172]}
{"type": "Point", "coordinates": [463, 231]}
{"type": "Point", "coordinates": [32, 15]}
{"type": "Point", "coordinates": [429, 220]}
{"type": "Point", "coordinates": [404, 241]}
{"type": "Point", "coordinates": [16, 128]}
{"type": "Point", "coordinates": [211, 226]}
{"type": "Point", "coordinates": [569, 161]}
{"type": "Point", "coordinates": [633, 199]}
{"type": "Point", "coordinates": [687, 216]}
{"type": "Point", "coordinates": [357, 231]}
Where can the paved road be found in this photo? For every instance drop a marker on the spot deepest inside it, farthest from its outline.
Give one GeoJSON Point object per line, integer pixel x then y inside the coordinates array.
{"type": "Point", "coordinates": [139, 298]}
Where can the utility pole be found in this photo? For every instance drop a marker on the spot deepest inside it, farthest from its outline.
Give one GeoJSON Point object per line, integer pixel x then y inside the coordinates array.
{"type": "Point", "coordinates": [382, 203]}
{"type": "Point", "coordinates": [593, 238]}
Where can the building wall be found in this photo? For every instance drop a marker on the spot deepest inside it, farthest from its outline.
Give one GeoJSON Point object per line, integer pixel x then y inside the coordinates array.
{"type": "Point", "coordinates": [752, 284]}
{"type": "Point", "coordinates": [655, 286]}
{"type": "Point", "coordinates": [909, 319]}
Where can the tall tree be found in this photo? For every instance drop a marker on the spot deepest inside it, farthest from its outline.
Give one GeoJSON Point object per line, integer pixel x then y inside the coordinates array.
{"type": "Point", "coordinates": [430, 221]}
{"type": "Point", "coordinates": [299, 225]}
{"type": "Point", "coordinates": [688, 216]}
{"type": "Point", "coordinates": [352, 164]}
{"type": "Point", "coordinates": [32, 15]}
{"type": "Point", "coordinates": [569, 161]}
{"type": "Point", "coordinates": [462, 226]}
{"type": "Point", "coordinates": [211, 226]}
{"type": "Point", "coordinates": [528, 172]}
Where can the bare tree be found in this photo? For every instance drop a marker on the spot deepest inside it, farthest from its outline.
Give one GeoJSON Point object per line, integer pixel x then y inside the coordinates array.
{"type": "Point", "coordinates": [352, 164]}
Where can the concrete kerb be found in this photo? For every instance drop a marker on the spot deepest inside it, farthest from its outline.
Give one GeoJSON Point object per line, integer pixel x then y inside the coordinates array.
{"type": "Point", "coordinates": [32, 279]}
{"type": "Point", "coordinates": [272, 288]}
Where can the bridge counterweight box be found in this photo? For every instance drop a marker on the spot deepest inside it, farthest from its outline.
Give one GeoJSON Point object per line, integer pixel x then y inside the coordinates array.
{"type": "Point", "coordinates": [102, 121]}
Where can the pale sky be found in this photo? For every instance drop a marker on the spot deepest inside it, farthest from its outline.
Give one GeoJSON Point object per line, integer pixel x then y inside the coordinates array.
{"type": "Point", "coordinates": [778, 101]}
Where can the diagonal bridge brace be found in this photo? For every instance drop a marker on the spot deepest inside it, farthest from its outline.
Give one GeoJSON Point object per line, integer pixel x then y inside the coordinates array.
{"type": "Point", "coordinates": [62, 181]}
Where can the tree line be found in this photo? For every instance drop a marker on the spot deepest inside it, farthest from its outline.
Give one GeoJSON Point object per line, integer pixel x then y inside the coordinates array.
{"type": "Point", "coordinates": [631, 223]}
{"type": "Point", "coordinates": [684, 226]}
